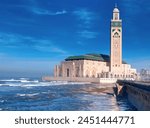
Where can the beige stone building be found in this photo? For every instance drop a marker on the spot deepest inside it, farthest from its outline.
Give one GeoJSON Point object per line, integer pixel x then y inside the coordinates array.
{"type": "Point", "coordinates": [99, 65]}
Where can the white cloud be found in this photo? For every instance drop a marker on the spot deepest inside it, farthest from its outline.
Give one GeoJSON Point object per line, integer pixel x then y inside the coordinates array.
{"type": "Point", "coordinates": [47, 46]}
{"type": "Point", "coordinates": [58, 50]}
{"type": "Point", "coordinates": [37, 9]}
{"type": "Point", "coordinates": [86, 19]}
{"type": "Point", "coordinates": [85, 16]}
{"type": "Point", "coordinates": [15, 41]}
{"type": "Point", "coordinates": [87, 34]}
{"type": "Point", "coordinates": [50, 49]}
{"type": "Point", "coordinates": [12, 40]}
{"type": "Point", "coordinates": [40, 11]}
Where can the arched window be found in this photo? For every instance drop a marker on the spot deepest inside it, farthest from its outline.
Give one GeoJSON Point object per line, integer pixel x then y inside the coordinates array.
{"type": "Point", "coordinates": [116, 34]}
{"type": "Point", "coordinates": [93, 73]}
{"type": "Point", "coordinates": [111, 75]}
{"type": "Point", "coordinates": [87, 75]}
{"type": "Point", "coordinates": [67, 72]}
{"type": "Point", "coordinates": [116, 16]}
{"type": "Point", "coordinates": [77, 71]}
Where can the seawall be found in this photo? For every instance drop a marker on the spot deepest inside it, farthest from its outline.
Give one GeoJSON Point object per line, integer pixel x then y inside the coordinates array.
{"type": "Point", "coordinates": [137, 93]}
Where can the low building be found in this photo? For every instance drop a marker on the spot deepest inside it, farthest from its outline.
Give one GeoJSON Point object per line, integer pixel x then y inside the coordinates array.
{"type": "Point", "coordinates": [145, 75]}
{"type": "Point", "coordinates": [92, 65]}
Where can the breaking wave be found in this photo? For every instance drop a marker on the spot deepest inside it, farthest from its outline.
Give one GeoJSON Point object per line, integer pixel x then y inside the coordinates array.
{"type": "Point", "coordinates": [26, 82]}
{"type": "Point", "coordinates": [2, 101]}
{"type": "Point", "coordinates": [20, 80]}
{"type": "Point", "coordinates": [28, 95]}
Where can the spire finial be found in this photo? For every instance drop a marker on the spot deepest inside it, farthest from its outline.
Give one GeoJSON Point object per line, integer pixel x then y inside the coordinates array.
{"type": "Point", "coordinates": [115, 5]}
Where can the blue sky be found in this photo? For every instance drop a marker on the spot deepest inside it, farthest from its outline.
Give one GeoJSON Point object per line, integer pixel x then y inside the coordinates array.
{"type": "Point", "coordinates": [37, 34]}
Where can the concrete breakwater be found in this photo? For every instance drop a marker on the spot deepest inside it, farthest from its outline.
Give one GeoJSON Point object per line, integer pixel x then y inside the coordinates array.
{"type": "Point", "coordinates": [137, 93]}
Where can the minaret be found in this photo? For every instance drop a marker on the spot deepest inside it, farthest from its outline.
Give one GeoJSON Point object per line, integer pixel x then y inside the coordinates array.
{"type": "Point", "coordinates": [116, 42]}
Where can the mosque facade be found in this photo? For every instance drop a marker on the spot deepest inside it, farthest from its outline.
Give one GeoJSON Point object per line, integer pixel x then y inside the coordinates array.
{"type": "Point", "coordinates": [100, 65]}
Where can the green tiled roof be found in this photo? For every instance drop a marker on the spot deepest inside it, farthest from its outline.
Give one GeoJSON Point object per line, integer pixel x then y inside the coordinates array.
{"type": "Point", "coordinates": [94, 57]}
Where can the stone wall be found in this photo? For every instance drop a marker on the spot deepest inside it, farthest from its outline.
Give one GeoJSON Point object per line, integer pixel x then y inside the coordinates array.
{"type": "Point", "coordinates": [89, 68]}
{"type": "Point", "coordinates": [137, 94]}
{"type": "Point", "coordinates": [93, 68]}
{"type": "Point", "coordinates": [139, 98]}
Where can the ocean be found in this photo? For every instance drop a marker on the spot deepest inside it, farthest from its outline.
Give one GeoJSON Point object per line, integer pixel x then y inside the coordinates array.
{"type": "Point", "coordinates": [32, 94]}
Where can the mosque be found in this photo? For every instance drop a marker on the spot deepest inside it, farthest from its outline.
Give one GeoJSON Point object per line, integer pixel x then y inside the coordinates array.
{"type": "Point", "coordinates": [99, 65]}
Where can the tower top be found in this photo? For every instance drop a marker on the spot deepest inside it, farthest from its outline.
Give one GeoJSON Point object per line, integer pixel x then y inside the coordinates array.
{"type": "Point", "coordinates": [116, 10]}
{"type": "Point", "coordinates": [116, 15]}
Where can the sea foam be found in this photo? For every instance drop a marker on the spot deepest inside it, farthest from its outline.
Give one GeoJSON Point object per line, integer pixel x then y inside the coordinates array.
{"type": "Point", "coordinates": [25, 82]}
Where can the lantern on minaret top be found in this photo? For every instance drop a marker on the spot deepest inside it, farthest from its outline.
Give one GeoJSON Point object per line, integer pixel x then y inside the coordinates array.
{"type": "Point", "coordinates": [116, 13]}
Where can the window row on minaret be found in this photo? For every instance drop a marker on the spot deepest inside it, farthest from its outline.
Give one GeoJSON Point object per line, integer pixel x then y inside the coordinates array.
{"type": "Point", "coordinates": [116, 24]}
{"type": "Point", "coordinates": [116, 36]}
{"type": "Point", "coordinates": [113, 30]}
